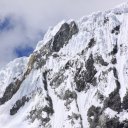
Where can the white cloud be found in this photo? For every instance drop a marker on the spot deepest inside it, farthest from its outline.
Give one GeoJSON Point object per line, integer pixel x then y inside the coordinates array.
{"type": "Point", "coordinates": [32, 16]}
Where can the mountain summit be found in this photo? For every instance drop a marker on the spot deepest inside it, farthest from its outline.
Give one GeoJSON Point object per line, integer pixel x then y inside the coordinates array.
{"type": "Point", "coordinates": [77, 77]}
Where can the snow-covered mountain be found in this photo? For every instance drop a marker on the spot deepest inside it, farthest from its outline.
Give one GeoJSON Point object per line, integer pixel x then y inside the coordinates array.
{"type": "Point", "coordinates": [77, 77]}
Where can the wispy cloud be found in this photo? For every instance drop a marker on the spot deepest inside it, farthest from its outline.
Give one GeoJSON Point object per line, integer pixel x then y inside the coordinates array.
{"type": "Point", "coordinates": [13, 34]}
{"type": "Point", "coordinates": [23, 22]}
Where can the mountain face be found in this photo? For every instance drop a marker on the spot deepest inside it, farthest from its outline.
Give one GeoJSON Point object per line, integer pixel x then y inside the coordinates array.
{"type": "Point", "coordinates": [77, 77]}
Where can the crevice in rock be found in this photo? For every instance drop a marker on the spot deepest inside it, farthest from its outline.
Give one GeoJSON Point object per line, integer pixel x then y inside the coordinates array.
{"type": "Point", "coordinates": [91, 43]}
{"type": "Point", "coordinates": [115, 73]}
{"type": "Point", "coordinates": [82, 77]}
{"type": "Point", "coordinates": [101, 61]}
{"type": "Point", "coordinates": [93, 116]}
{"type": "Point", "coordinates": [90, 69]}
{"type": "Point", "coordinates": [68, 64]}
{"type": "Point", "coordinates": [58, 79]}
{"type": "Point", "coordinates": [114, 60]}
{"type": "Point", "coordinates": [18, 105]}
{"type": "Point", "coordinates": [115, 50]}
{"type": "Point", "coordinates": [116, 30]}
{"type": "Point", "coordinates": [113, 101]}
{"type": "Point", "coordinates": [106, 19]}
{"type": "Point", "coordinates": [125, 102]}
{"type": "Point", "coordinates": [45, 80]}
{"type": "Point", "coordinates": [81, 123]}
{"type": "Point", "coordinates": [68, 94]}
{"type": "Point", "coordinates": [49, 109]}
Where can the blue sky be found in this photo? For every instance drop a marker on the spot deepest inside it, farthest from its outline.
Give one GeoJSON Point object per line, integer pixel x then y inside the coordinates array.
{"type": "Point", "coordinates": [7, 25]}
{"type": "Point", "coordinates": [24, 22]}
{"type": "Point", "coordinates": [26, 51]}
{"type": "Point", "coordinates": [16, 40]}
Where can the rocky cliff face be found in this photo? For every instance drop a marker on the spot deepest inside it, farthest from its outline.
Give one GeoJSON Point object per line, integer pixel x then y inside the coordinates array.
{"type": "Point", "coordinates": [77, 77]}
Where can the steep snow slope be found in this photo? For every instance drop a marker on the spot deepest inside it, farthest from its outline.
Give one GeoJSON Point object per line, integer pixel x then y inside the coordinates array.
{"type": "Point", "coordinates": [76, 78]}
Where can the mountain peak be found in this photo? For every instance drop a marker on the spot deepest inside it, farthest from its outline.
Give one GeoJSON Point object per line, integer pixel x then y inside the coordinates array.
{"type": "Point", "coordinates": [76, 77]}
